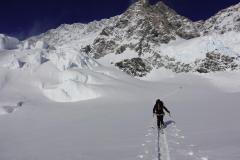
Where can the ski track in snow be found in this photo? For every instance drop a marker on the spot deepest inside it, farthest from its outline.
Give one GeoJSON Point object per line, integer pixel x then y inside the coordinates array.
{"type": "Point", "coordinates": [171, 142]}
{"type": "Point", "coordinates": [164, 150]}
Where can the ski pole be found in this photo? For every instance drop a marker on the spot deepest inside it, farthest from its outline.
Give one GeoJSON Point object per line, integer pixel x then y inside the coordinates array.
{"type": "Point", "coordinates": [153, 121]}
{"type": "Point", "coordinates": [170, 115]}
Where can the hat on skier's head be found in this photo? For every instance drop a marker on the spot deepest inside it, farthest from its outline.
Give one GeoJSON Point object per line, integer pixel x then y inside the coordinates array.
{"type": "Point", "coordinates": [159, 102]}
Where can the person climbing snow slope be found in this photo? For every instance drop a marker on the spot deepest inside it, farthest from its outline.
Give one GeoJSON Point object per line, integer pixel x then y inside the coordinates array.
{"type": "Point", "coordinates": [158, 110]}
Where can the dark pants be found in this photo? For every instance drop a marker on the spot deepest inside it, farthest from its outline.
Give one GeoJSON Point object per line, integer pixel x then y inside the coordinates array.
{"type": "Point", "coordinates": [160, 121]}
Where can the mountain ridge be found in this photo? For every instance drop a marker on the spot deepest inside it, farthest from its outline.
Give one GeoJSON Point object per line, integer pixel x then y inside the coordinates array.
{"type": "Point", "coordinates": [147, 37]}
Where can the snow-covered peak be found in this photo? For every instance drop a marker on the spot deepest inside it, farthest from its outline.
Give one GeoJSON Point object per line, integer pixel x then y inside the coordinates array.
{"type": "Point", "coordinates": [224, 21]}
{"type": "Point", "coordinates": [7, 42]}
{"type": "Point", "coordinates": [72, 33]}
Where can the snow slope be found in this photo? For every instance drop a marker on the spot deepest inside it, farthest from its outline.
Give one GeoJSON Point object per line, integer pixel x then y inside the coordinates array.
{"type": "Point", "coordinates": [117, 123]}
{"type": "Point", "coordinates": [188, 51]}
{"type": "Point", "coordinates": [62, 74]}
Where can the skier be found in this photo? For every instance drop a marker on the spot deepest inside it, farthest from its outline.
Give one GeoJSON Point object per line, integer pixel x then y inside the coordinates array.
{"type": "Point", "coordinates": [158, 109]}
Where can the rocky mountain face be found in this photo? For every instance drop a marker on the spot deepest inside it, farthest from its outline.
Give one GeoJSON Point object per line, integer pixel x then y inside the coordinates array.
{"type": "Point", "coordinates": [148, 37]}
{"type": "Point", "coordinates": [224, 21]}
{"type": "Point", "coordinates": [141, 27]}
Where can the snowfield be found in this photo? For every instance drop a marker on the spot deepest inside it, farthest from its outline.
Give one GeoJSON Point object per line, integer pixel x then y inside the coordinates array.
{"type": "Point", "coordinates": [108, 115]}
{"type": "Point", "coordinates": [188, 51]}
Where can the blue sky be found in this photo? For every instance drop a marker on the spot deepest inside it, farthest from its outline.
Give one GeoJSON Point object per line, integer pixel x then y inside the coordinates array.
{"type": "Point", "coordinates": [24, 18]}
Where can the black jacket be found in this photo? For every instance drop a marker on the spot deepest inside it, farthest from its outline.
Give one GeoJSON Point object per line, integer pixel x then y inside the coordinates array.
{"type": "Point", "coordinates": [159, 109]}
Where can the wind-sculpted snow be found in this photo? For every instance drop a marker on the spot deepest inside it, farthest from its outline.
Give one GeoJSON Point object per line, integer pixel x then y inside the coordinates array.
{"type": "Point", "coordinates": [72, 86]}
{"type": "Point", "coordinates": [69, 91]}
{"type": "Point", "coordinates": [62, 74]}
{"type": "Point", "coordinates": [63, 57]}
